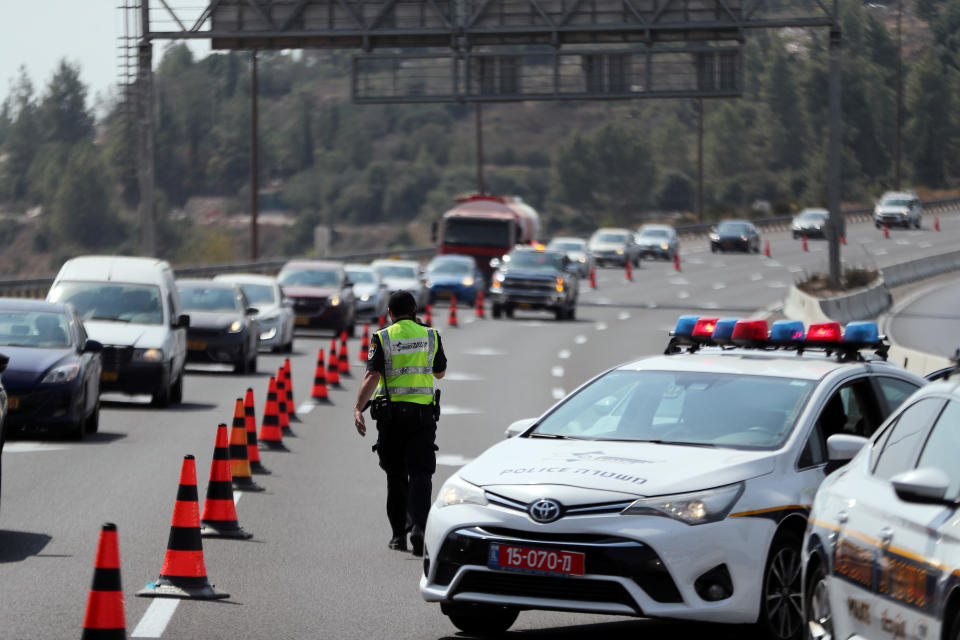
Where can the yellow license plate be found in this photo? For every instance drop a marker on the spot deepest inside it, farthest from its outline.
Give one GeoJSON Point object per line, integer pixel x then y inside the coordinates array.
{"type": "Point", "coordinates": [524, 305]}
{"type": "Point", "coordinates": [303, 320]}
{"type": "Point", "coordinates": [13, 402]}
{"type": "Point", "coordinates": [108, 376]}
{"type": "Point", "coordinates": [443, 294]}
{"type": "Point", "coordinates": [196, 345]}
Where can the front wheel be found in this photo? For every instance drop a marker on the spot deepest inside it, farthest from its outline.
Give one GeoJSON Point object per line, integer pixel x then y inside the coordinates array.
{"type": "Point", "coordinates": [819, 617]}
{"type": "Point", "coordinates": [92, 423]}
{"type": "Point", "coordinates": [480, 619]}
{"type": "Point", "coordinates": [781, 607]}
{"type": "Point", "coordinates": [496, 311]}
{"type": "Point", "coordinates": [176, 393]}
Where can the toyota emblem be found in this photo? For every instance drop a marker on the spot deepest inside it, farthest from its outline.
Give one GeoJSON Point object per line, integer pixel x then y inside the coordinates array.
{"type": "Point", "coordinates": [544, 510]}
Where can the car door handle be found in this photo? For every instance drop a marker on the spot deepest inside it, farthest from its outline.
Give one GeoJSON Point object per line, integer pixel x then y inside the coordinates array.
{"type": "Point", "coordinates": [842, 517]}
{"type": "Point", "coordinates": [886, 535]}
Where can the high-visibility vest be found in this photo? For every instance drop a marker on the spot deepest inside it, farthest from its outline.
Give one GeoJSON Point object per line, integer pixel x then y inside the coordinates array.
{"type": "Point", "coordinates": [408, 352]}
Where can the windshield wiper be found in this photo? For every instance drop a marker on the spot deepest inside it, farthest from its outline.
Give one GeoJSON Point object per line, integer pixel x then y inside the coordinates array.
{"type": "Point", "coordinates": [680, 443]}
{"type": "Point", "coordinates": [554, 436]}
{"type": "Point", "coordinates": [109, 318]}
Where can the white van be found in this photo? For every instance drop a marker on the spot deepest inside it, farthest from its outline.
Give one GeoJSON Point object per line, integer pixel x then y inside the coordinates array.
{"type": "Point", "coordinates": [132, 306]}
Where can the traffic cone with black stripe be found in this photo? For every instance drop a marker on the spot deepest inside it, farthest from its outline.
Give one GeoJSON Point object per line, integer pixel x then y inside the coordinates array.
{"type": "Point", "coordinates": [805, 247]}
{"type": "Point", "coordinates": [364, 343]}
{"type": "Point", "coordinates": [629, 270]}
{"type": "Point", "coordinates": [271, 436]}
{"type": "Point", "coordinates": [253, 447]}
{"type": "Point", "coordinates": [319, 391]}
{"type": "Point", "coordinates": [239, 458]}
{"type": "Point", "coordinates": [593, 277]}
{"type": "Point", "coordinates": [288, 401]}
{"type": "Point", "coordinates": [479, 304]}
{"type": "Point", "coordinates": [291, 404]}
{"type": "Point", "coordinates": [184, 574]}
{"type": "Point", "coordinates": [381, 322]}
{"type": "Point", "coordinates": [104, 619]}
{"type": "Point", "coordinates": [343, 360]}
{"type": "Point", "coordinates": [936, 223]}
{"type": "Point", "coordinates": [452, 321]}
{"type": "Point", "coordinates": [219, 517]}
{"type": "Point", "coordinates": [283, 417]}
{"type": "Point", "coordinates": [333, 368]}
{"type": "Point", "coordinates": [766, 249]}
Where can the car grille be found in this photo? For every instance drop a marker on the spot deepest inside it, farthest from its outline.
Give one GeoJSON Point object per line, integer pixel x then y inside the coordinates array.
{"type": "Point", "coordinates": [507, 584]}
{"type": "Point", "coordinates": [309, 305]}
{"type": "Point", "coordinates": [115, 357]}
{"type": "Point", "coordinates": [205, 333]}
{"type": "Point", "coordinates": [28, 401]}
{"type": "Point", "coordinates": [530, 284]}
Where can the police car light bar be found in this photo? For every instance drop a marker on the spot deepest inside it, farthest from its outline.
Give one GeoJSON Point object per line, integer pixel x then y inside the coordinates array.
{"type": "Point", "coordinates": [695, 332]}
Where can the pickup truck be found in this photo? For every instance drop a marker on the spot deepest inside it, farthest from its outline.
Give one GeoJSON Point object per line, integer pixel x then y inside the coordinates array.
{"type": "Point", "coordinates": [530, 278]}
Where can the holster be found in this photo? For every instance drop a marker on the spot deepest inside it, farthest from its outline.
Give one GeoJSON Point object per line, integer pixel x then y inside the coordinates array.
{"type": "Point", "coordinates": [381, 408]}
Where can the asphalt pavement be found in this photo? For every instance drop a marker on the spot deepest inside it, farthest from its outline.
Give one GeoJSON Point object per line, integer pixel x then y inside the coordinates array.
{"type": "Point", "coordinates": [318, 565]}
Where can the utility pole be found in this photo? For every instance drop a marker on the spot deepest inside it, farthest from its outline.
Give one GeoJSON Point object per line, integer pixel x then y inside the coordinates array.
{"type": "Point", "coordinates": [699, 159]}
{"type": "Point", "coordinates": [833, 158]}
{"type": "Point", "coordinates": [479, 114]}
{"type": "Point", "coordinates": [896, 138]}
{"type": "Point", "coordinates": [254, 150]}
{"type": "Point", "coordinates": [145, 158]}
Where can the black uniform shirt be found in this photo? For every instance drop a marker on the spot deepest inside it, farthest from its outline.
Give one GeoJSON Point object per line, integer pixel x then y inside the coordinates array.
{"type": "Point", "coordinates": [375, 361]}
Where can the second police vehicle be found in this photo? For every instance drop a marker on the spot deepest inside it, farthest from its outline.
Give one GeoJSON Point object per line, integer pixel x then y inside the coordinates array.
{"type": "Point", "coordinates": [717, 446]}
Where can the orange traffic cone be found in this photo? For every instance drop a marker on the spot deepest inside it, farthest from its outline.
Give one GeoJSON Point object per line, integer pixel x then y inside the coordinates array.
{"type": "Point", "coordinates": [239, 458]}
{"type": "Point", "coordinates": [291, 404]}
{"type": "Point", "coordinates": [886, 230]}
{"type": "Point", "coordinates": [184, 574]}
{"type": "Point", "coordinates": [805, 248]}
{"type": "Point", "coordinates": [319, 391]}
{"type": "Point", "coordinates": [936, 223]}
{"type": "Point", "coordinates": [381, 322]}
{"type": "Point", "coordinates": [428, 319]}
{"type": "Point", "coordinates": [343, 361]}
{"type": "Point", "coordinates": [453, 311]}
{"type": "Point", "coordinates": [676, 261]}
{"type": "Point", "coordinates": [219, 519]}
{"type": "Point", "coordinates": [593, 277]}
{"type": "Point", "coordinates": [104, 619]}
{"type": "Point", "coordinates": [479, 304]}
{"type": "Point", "coordinates": [253, 449]}
{"type": "Point", "coordinates": [629, 270]}
{"type": "Point", "coordinates": [364, 343]}
{"type": "Point", "coordinates": [843, 239]}
{"type": "Point", "coordinates": [270, 433]}
{"type": "Point", "coordinates": [333, 368]}
{"type": "Point", "coordinates": [766, 248]}
{"type": "Point", "coordinates": [283, 416]}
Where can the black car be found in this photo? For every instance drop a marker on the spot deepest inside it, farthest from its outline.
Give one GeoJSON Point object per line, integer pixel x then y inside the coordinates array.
{"type": "Point", "coordinates": [529, 278]}
{"type": "Point", "coordinates": [811, 223]}
{"type": "Point", "coordinates": [53, 374]}
{"type": "Point", "coordinates": [222, 326]}
{"type": "Point", "coordinates": [735, 235]}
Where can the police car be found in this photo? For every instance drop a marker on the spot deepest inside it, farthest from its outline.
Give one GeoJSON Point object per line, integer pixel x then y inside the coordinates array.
{"type": "Point", "coordinates": [882, 551]}
{"type": "Point", "coordinates": [675, 486]}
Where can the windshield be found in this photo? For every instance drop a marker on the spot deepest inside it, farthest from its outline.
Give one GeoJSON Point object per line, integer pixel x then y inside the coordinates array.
{"type": "Point", "coordinates": [566, 245]}
{"type": "Point", "coordinates": [682, 407]}
{"type": "Point", "coordinates": [610, 237]}
{"type": "Point", "coordinates": [655, 233]}
{"type": "Point", "coordinates": [259, 294]}
{"type": "Point", "coordinates": [536, 260]}
{"type": "Point", "coordinates": [895, 202]}
{"type": "Point", "coordinates": [396, 271]}
{"type": "Point", "coordinates": [209, 299]}
{"type": "Point", "coordinates": [477, 233]}
{"type": "Point", "coordinates": [114, 301]}
{"type": "Point", "coordinates": [361, 276]}
{"type": "Point", "coordinates": [34, 329]}
{"type": "Point", "coordinates": [813, 215]}
{"type": "Point", "coordinates": [310, 278]}
{"type": "Point", "coordinates": [450, 267]}
{"type": "Point", "coordinates": [740, 228]}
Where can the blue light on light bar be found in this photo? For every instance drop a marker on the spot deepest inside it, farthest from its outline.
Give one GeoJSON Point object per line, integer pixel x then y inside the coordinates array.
{"type": "Point", "coordinates": [724, 330]}
{"type": "Point", "coordinates": [866, 332]}
{"type": "Point", "coordinates": [685, 325]}
{"type": "Point", "coordinates": [786, 331]}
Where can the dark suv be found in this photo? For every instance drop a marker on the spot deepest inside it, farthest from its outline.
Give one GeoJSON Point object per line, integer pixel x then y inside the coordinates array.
{"type": "Point", "coordinates": [529, 278]}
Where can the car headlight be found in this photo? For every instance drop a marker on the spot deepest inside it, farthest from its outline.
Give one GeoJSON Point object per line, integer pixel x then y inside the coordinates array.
{"type": "Point", "coordinates": [664, 246]}
{"type": "Point", "coordinates": [334, 301]}
{"type": "Point", "coordinates": [268, 335]}
{"type": "Point", "coordinates": [235, 326]}
{"type": "Point", "coordinates": [582, 259]}
{"type": "Point", "coordinates": [559, 284]}
{"type": "Point", "coordinates": [620, 252]}
{"type": "Point", "coordinates": [59, 375]}
{"type": "Point", "coordinates": [499, 277]}
{"type": "Point", "coordinates": [148, 355]}
{"type": "Point", "coordinates": [714, 237]}
{"type": "Point", "coordinates": [467, 281]}
{"type": "Point", "coordinates": [458, 491]}
{"type": "Point", "coordinates": [365, 298]}
{"type": "Point", "coordinates": [428, 284]}
{"type": "Point", "coordinates": [698, 507]}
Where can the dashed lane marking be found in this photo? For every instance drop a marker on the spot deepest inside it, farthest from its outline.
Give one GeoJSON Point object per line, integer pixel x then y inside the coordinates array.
{"type": "Point", "coordinates": [756, 277]}
{"type": "Point", "coordinates": [31, 447]}
{"type": "Point", "coordinates": [600, 326]}
{"type": "Point", "coordinates": [719, 285]}
{"type": "Point", "coordinates": [306, 407]}
{"type": "Point", "coordinates": [683, 295]}
{"type": "Point", "coordinates": [556, 372]}
{"type": "Point", "coordinates": [879, 252]}
{"type": "Point", "coordinates": [682, 282]}
{"type": "Point", "coordinates": [457, 411]}
{"type": "Point", "coordinates": [623, 315]}
{"type": "Point", "coordinates": [580, 339]}
{"type": "Point", "coordinates": [558, 393]}
{"type": "Point", "coordinates": [925, 245]}
{"type": "Point", "coordinates": [462, 377]}
{"type": "Point", "coordinates": [452, 459]}
{"type": "Point", "coordinates": [485, 351]}
{"type": "Point", "coordinates": [564, 354]}
{"type": "Point", "coordinates": [236, 497]}
{"type": "Point", "coordinates": [772, 263]}
{"type": "Point", "coordinates": [902, 242]}
{"type": "Point", "coordinates": [155, 620]}
{"type": "Point", "coordinates": [603, 301]}
{"type": "Point", "coordinates": [796, 269]}
{"type": "Point", "coordinates": [776, 285]}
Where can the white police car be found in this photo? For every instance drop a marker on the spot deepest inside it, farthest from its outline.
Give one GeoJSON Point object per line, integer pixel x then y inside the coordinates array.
{"type": "Point", "coordinates": [882, 551]}
{"type": "Point", "coordinates": [676, 486]}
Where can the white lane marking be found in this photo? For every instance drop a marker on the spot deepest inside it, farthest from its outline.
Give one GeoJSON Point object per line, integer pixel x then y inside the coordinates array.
{"type": "Point", "coordinates": [711, 305]}
{"type": "Point", "coordinates": [532, 323]}
{"type": "Point", "coordinates": [155, 619]}
{"type": "Point", "coordinates": [485, 351]}
{"type": "Point", "coordinates": [462, 377]}
{"type": "Point", "coordinates": [719, 285]}
{"type": "Point", "coordinates": [694, 260]}
{"type": "Point", "coordinates": [600, 326]}
{"type": "Point", "coordinates": [623, 315]}
{"type": "Point", "coordinates": [683, 295]}
{"type": "Point", "coordinates": [796, 269]}
{"type": "Point", "coordinates": [756, 277]}
{"type": "Point", "coordinates": [903, 242]}
{"type": "Point", "coordinates": [31, 447]}
{"type": "Point", "coordinates": [556, 372]}
{"type": "Point", "coordinates": [925, 245]}
{"type": "Point", "coordinates": [306, 407]}
{"type": "Point", "coordinates": [776, 285]}
{"type": "Point", "coordinates": [452, 459]}
{"type": "Point", "coordinates": [772, 263]}
{"type": "Point", "coordinates": [213, 367]}
{"type": "Point", "coordinates": [603, 301]}
{"type": "Point", "coordinates": [879, 252]}
{"type": "Point", "coordinates": [580, 339]}
{"type": "Point", "coordinates": [682, 282]}
{"type": "Point", "coordinates": [122, 397]}
{"type": "Point", "coordinates": [718, 264]}
{"type": "Point", "coordinates": [236, 497]}
{"type": "Point", "coordinates": [457, 411]}
{"type": "Point", "coordinates": [558, 393]}
{"type": "Point", "coordinates": [564, 354]}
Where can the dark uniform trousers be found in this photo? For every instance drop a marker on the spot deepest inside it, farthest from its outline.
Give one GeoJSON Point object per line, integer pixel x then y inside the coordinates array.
{"type": "Point", "coordinates": [405, 446]}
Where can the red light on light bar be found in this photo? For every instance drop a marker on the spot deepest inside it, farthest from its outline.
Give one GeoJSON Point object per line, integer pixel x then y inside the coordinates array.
{"type": "Point", "coordinates": [750, 330]}
{"type": "Point", "coordinates": [704, 327]}
{"type": "Point", "coordinates": [825, 332]}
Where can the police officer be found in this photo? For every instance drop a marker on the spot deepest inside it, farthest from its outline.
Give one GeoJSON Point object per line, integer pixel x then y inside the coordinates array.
{"type": "Point", "coordinates": [406, 357]}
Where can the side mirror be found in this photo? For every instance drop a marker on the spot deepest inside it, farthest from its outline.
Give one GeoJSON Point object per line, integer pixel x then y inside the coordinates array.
{"type": "Point", "coordinates": [251, 311]}
{"type": "Point", "coordinates": [842, 447]}
{"type": "Point", "coordinates": [347, 282]}
{"type": "Point", "coordinates": [4, 361]}
{"type": "Point", "coordinates": [183, 322]}
{"type": "Point", "coordinates": [495, 263]}
{"type": "Point", "coordinates": [519, 427]}
{"type": "Point", "coordinates": [927, 485]}
{"type": "Point", "coordinates": [287, 302]}
{"type": "Point", "coordinates": [91, 346]}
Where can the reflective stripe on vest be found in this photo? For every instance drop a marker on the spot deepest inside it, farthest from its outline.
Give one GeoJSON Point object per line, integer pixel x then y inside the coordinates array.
{"type": "Point", "coordinates": [408, 352]}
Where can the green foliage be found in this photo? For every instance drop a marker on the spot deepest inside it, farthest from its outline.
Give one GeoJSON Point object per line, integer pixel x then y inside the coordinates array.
{"type": "Point", "coordinates": [81, 211]}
